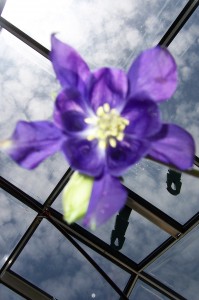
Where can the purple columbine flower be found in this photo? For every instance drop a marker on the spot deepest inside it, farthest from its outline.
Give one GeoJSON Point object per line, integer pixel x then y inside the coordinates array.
{"type": "Point", "coordinates": [104, 122]}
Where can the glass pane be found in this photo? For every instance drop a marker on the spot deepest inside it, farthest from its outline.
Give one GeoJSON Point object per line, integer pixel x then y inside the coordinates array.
{"type": "Point", "coordinates": [119, 276]}
{"type": "Point", "coordinates": [149, 180]}
{"type": "Point", "coordinates": [143, 291]}
{"type": "Point", "coordinates": [183, 108]}
{"type": "Point", "coordinates": [140, 234]}
{"type": "Point", "coordinates": [27, 84]}
{"type": "Point", "coordinates": [53, 264]}
{"type": "Point", "coordinates": [106, 32]}
{"type": "Point", "coordinates": [178, 267]}
{"type": "Point", "coordinates": [14, 220]}
{"type": "Point", "coordinates": [7, 294]}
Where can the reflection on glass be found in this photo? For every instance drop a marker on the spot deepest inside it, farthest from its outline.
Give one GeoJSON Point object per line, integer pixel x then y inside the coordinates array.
{"type": "Point", "coordinates": [141, 236]}
{"type": "Point", "coordinates": [53, 264]}
{"type": "Point", "coordinates": [27, 85]}
{"type": "Point", "coordinates": [106, 32]}
{"type": "Point", "coordinates": [12, 227]}
{"type": "Point", "coordinates": [178, 267]}
{"type": "Point", "coordinates": [143, 291]}
{"type": "Point", "coordinates": [7, 294]}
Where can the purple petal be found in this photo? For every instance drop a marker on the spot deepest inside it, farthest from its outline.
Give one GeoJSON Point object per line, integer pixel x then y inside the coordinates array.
{"type": "Point", "coordinates": [70, 68]}
{"type": "Point", "coordinates": [125, 154]}
{"type": "Point", "coordinates": [108, 197]}
{"type": "Point", "coordinates": [32, 142]}
{"type": "Point", "coordinates": [173, 145]}
{"type": "Point", "coordinates": [108, 86]}
{"type": "Point", "coordinates": [73, 121]}
{"type": "Point", "coordinates": [69, 102]}
{"type": "Point", "coordinates": [153, 75]}
{"type": "Point", "coordinates": [144, 118]}
{"type": "Point", "coordinates": [84, 156]}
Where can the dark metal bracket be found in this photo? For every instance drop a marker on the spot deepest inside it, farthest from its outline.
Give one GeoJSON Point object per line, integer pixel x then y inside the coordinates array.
{"type": "Point", "coordinates": [121, 225]}
{"type": "Point", "coordinates": [173, 182]}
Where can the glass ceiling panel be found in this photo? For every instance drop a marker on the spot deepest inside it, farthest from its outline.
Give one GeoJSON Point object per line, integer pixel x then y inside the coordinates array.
{"type": "Point", "coordinates": [54, 265]}
{"type": "Point", "coordinates": [27, 84]}
{"type": "Point", "coordinates": [119, 276]}
{"type": "Point", "coordinates": [105, 32]}
{"type": "Point", "coordinates": [7, 294]}
{"type": "Point", "coordinates": [143, 291]}
{"type": "Point", "coordinates": [178, 267]}
{"type": "Point", "coordinates": [148, 179]}
{"type": "Point", "coordinates": [183, 108]}
{"type": "Point", "coordinates": [12, 227]}
{"type": "Point", "coordinates": [141, 236]}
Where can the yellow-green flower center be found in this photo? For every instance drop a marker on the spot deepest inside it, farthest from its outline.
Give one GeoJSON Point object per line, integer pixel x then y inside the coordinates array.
{"type": "Point", "coordinates": [108, 126]}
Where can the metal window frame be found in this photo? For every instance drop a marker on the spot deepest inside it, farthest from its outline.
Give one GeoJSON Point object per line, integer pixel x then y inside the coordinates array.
{"type": "Point", "coordinates": [136, 271]}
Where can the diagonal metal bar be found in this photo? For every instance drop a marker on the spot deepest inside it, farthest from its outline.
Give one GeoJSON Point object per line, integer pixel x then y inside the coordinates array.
{"type": "Point", "coordinates": [179, 22]}
{"type": "Point", "coordinates": [31, 202]}
{"type": "Point", "coordinates": [94, 242]}
{"type": "Point", "coordinates": [159, 286]}
{"type": "Point", "coordinates": [76, 230]}
{"type": "Point", "coordinates": [187, 227]}
{"type": "Point", "coordinates": [130, 285]}
{"type": "Point", "coordinates": [23, 287]}
{"type": "Point", "coordinates": [24, 37]}
{"type": "Point", "coordinates": [20, 246]}
{"type": "Point", "coordinates": [58, 189]}
{"type": "Point", "coordinates": [153, 214]}
{"type": "Point", "coordinates": [118, 258]}
{"type": "Point", "coordinates": [91, 261]}
{"type": "Point", "coordinates": [20, 195]}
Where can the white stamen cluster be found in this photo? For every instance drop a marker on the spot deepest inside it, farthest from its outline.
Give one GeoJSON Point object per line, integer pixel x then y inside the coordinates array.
{"type": "Point", "coordinates": [108, 126]}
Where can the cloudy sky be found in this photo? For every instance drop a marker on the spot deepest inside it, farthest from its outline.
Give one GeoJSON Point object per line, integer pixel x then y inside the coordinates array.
{"type": "Point", "coordinates": [106, 32]}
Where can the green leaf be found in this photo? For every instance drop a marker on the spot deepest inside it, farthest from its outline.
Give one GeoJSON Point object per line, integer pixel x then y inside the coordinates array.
{"type": "Point", "coordinates": [76, 196]}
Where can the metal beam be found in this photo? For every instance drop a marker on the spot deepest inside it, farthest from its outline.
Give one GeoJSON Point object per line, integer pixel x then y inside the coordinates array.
{"type": "Point", "coordinates": [90, 260]}
{"type": "Point", "coordinates": [20, 195]}
{"type": "Point", "coordinates": [130, 285]}
{"type": "Point", "coordinates": [20, 246]}
{"type": "Point", "coordinates": [93, 242]}
{"type": "Point", "coordinates": [187, 227]}
{"type": "Point", "coordinates": [153, 214]}
{"type": "Point", "coordinates": [24, 37]}
{"type": "Point", "coordinates": [23, 287]}
{"type": "Point", "coordinates": [159, 286]}
{"type": "Point", "coordinates": [179, 22]}
{"type": "Point", "coordinates": [58, 189]}
{"type": "Point", "coordinates": [108, 254]}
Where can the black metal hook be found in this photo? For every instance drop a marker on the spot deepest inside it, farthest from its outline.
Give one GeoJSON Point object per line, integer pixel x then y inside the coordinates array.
{"type": "Point", "coordinates": [121, 224]}
{"type": "Point", "coordinates": [173, 182]}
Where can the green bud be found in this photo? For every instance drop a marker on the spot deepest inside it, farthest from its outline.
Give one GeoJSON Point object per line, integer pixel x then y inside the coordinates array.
{"type": "Point", "coordinates": [76, 196]}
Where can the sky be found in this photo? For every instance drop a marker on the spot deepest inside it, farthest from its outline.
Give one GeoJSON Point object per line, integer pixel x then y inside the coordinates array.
{"type": "Point", "coordinates": [106, 33]}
